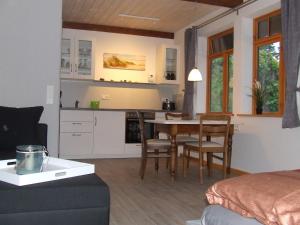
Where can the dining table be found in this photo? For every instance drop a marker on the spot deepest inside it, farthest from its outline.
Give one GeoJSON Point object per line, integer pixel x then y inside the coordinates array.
{"type": "Point", "coordinates": [175, 127]}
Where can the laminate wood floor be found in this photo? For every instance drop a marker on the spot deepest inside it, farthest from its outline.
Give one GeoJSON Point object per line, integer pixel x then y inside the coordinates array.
{"type": "Point", "coordinates": [156, 200]}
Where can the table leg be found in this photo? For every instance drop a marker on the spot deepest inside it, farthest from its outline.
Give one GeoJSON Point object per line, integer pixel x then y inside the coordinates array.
{"type": "Point", "coordinates": [229, 153]}
{"type": "Point", "coordinates": [173, 157]}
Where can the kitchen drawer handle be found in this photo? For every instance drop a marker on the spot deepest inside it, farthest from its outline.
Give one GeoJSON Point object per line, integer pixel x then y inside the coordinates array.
{"type": "Point", "coordinates": [76, 135]}
{"type": "Point", "coordinates": [77, 123]}
{"type": "Point", "coordinates": [95, 121]}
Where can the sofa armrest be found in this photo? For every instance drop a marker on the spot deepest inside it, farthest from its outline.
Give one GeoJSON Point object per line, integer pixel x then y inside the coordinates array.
{"type": "Point", "coordinates": [42, 129]}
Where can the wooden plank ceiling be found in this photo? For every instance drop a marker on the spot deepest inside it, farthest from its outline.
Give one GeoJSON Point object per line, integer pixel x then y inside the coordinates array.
{"type": "Point", "coordinates": [173, 14]}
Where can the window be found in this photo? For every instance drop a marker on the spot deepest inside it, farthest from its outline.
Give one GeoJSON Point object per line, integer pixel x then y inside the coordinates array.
{"type": "Point", "coordinates": [220, 73]}
{"type": "Point", "coordinates": [268, 62]}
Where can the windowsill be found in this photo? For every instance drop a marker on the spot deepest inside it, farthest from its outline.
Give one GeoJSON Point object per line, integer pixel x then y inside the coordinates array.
{"type": "Point", "coordinates": [261, 115]}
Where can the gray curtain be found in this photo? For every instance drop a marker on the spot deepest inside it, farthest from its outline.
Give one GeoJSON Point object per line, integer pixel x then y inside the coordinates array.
{"type": "Point", "coordinates": [190, 46]}
{"type": "Point", "coordinates": [291, 45]}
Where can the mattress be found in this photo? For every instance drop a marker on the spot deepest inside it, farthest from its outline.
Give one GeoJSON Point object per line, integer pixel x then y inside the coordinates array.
{"type": "Point", "coordinates": [217, 215]}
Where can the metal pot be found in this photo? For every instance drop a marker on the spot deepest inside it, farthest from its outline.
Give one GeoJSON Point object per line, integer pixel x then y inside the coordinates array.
{"type": "Point", "coordinates": [29, 158]}
{"type": "Point", "coordinates": [168, 105]}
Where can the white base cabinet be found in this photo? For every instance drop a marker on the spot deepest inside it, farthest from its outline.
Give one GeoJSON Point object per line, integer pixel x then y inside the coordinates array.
{"type": "Point", "coordinates": [76, 134]}
{"type": "Point", "coordinates": [109, 133]}
{"type": "Point", "coordinates": [74, 145]}
{"type": "Point", "coordinates": [133, 150]}
{"type": "Point", "coordinates": [94, 134]}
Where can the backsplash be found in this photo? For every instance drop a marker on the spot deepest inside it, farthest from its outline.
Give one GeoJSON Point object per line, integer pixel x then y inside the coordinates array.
{"type": "Point", "coordinates": [142, 97]}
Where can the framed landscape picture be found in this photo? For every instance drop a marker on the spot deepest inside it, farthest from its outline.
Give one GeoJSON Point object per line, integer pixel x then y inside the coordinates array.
{"type": "Point", "coordinates": [124, 61]}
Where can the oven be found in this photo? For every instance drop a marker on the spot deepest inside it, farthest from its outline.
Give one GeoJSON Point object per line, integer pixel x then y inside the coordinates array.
{"type": "Point", "coordinates": [132, 134]}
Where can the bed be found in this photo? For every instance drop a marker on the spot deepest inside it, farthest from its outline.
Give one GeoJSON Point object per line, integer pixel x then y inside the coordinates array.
{"type": "Point", "coordinates": [265, 198]}
{"type": "Point", "coordinates": [218, 215]}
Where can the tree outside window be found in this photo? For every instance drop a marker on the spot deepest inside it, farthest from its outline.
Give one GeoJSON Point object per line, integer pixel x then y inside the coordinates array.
{"type": "Point", "coordinates": [268, 62]}
{"type": "Point", "coordinates": [220, 75]}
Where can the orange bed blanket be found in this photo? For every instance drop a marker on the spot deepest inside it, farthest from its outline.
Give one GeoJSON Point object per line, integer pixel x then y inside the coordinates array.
{"type": "Point", "coordinates": [272, 198]}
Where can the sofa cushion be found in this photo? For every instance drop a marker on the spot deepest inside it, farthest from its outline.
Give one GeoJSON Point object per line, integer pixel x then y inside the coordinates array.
{"type": "Point", "coordinates": [28, 119]}
{"type": "Point", "coordinates": [88, 191]}
{"type": "Point", "coordinates": [18, 126]}
{"type": "Point", "coordinates": [8, 124]}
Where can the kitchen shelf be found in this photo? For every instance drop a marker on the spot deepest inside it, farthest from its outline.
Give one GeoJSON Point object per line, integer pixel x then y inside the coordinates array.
{"type": "Point", "coordinates": [112, 83]}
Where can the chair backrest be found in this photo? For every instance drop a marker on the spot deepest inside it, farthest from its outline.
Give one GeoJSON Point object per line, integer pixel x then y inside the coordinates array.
{"type": "Point", "coordinates": [174, 115]}
{"type": "Point", "coordinates": [142, 130]}
{"type": "Point", "coordinates": [219, 126]}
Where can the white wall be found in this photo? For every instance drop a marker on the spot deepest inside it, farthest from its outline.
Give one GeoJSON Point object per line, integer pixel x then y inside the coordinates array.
{"type": "Point", "coordinates": [122, 96]}
{"type": "Point", "coordinates": [29, 58]}
{"type": "Point", "coordinates": [260, 144]}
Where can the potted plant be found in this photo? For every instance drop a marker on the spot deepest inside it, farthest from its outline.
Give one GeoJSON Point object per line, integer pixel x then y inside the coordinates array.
{"type": "Point", "coordinates": [259, 95]}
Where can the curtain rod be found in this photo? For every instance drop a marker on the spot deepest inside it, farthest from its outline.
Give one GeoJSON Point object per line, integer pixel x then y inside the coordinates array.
{"type": "Point", "coordinates": [226, 13]}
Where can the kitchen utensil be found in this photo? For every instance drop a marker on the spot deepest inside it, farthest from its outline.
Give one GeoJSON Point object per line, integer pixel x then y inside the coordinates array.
{"type": "Point", "coordinates": [168, 105]}
{"type": "Point", "coordinates": [95, 104]}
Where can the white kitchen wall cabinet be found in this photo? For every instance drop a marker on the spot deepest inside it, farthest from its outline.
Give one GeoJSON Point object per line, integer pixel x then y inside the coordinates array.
{"type": "Point", "coordinates": [109, 134]}
{"type": "Point", "coordinates": [77, 56]}
{"type": "Point", "coordinates": [76, 134]}
{"type": "Point", "coordinates": [167, 65]}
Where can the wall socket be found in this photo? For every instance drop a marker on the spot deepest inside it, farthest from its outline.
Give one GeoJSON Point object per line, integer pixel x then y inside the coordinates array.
{"type": "Point", "coordinates": [106, 97]}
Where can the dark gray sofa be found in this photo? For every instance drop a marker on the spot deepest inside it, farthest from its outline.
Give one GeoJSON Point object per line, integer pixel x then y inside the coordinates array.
{"type": "Point", "coordinates": [20, 126]}
{"type": "Point", "coordinates": [83, 200]}
{"type": "Point", "coordinates": [42, 130]}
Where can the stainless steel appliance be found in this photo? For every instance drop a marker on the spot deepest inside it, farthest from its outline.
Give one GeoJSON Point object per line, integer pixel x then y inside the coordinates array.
{"type": "Point", "coordinates": [168, 105]}
{"type": "Point", "coordinates": [132, 134]}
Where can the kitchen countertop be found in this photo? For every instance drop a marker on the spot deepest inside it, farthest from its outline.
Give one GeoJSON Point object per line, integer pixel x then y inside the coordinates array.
{"type": "Point", "coordinates": [127, 110]}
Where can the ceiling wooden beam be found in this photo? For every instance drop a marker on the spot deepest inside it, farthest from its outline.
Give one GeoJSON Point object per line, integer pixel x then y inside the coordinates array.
{"type": "Point", "coordinates": [225, 3]}
{"type": "Point", "coordinates": [119, 30]}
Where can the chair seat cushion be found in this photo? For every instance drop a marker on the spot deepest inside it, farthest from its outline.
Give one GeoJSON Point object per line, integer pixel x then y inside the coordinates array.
{"type": "Point", "coordinates": [158, 142]}
{"type": "Point", "coordinates": [206, 144]}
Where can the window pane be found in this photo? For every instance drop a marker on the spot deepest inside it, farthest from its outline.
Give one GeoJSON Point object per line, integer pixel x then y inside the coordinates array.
{"type": "Point", "coordinates": [223, 43]}
{"type": "Point", "coordinates": [268, 75]}
{"type": "Point", "coordinates": [263, 29]}
{"type": "Point", "coordinates": [216, 85]}
{"type": "Point", "coordinates": [230, 83]}
{"type": "Point", "coordinates": [65, 66]}
{"type": "Point", "coordinates": [275, 25]}
{"type": "Point", "coordinates": [84, 57]}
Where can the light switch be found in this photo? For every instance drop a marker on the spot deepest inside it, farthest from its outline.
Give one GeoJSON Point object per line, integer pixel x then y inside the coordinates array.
{"type": "Point", "coordinates": [50, 94]}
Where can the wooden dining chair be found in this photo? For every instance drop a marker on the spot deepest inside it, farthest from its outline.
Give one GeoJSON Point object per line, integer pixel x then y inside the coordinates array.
{"type": "Point", "coordinates": [182, 138]}
{"type": "Point", "coordinates": [152, 148]}
{"type": "Point", "coordinates": [220, 131]}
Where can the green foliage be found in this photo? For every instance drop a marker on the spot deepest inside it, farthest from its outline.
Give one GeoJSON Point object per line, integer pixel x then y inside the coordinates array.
{"type": "Point", "coordinates": [259, 94]}
{"type": "Point", "coordinates": [216, 93]}
{"type": "Point", "coordinates": [216, 88]}
{"type": "Point", "coordinates": [268, 75]}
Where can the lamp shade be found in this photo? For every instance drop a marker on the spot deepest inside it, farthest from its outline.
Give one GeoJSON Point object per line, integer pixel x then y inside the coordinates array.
{"type": "Point", "coordinates": [195, 75]}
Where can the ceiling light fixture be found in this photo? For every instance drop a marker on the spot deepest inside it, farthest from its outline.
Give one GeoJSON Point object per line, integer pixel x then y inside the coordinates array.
{"type": "Point", "coordinates": [139, 17]}
{"type": "Point", "coordinates": [195, 75]}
